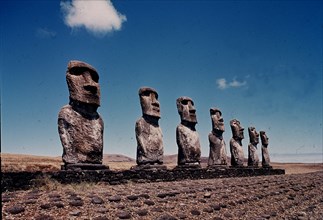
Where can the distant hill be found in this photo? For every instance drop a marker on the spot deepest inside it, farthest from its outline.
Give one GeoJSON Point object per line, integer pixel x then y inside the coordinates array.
{"type": "Point", "coordinates": [117, 158]}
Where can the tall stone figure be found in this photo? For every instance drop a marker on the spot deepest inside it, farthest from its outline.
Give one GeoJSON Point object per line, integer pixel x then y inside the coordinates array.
{"type": "Point", "coordinates": [187, 138]}
{"type": "Point", "coordinates": [237, 156]}
{"type": "Point", "coordinates": [148, 133]}
{"type": "Point", "coordinates": [80, 126]}
{"type": "Point", "coordinates": [253, 158]}
{"type": "Point", "coordinates": [264, 150]}
{"type": "Point", "coordinates": [218, 154]}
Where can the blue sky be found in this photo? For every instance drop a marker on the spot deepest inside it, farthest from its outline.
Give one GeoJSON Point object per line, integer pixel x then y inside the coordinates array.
{"type": "Point", "coordinates": [258, 61]}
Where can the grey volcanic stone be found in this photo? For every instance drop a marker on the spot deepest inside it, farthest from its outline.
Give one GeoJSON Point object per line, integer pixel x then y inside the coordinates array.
{"type": "Point", "coordinates": [218, 154]}
{"type": "Point", "coordinates": [97, 200]}
{"type": "Point", "coordinates": [76, 203]}
{"type": "Point", "coordinates": [237, 156]}
{"type": "Point", "coordinates": [149, 135]}
{"type": "Point", "coordinates": [149, 202]}
{"type": "Point", "coordinates": [15, 209]}
{"type": "Point", "coordinates": [142, 212]}
{"type": "Point", "coordinates": [166, 217]}
{"type": "Point", "coordinates": [264, 149]}
{"type": "Point", "coordinates": [114, 198]}
{"type": "Point", "coordinates": [195, 212]}
{"type": "Point", "coordinates": [45, 206]}
{"type": "Point", "coordinates": [253, 158]}
{"type": "Point", "coordinates": [187, 138]}
{"type": "Point", "coordinates": [79, 124]}
{"type": "Point", "coordinates": [44, 217]}
{"type": "Point", "coordinates": [124, 215]}
{"type": "Point", "coordinates": [132, 197]}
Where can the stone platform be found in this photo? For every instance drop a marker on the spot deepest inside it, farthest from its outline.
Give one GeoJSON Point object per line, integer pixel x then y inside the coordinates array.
{"type": "Point", "coordinates": [25, 180]}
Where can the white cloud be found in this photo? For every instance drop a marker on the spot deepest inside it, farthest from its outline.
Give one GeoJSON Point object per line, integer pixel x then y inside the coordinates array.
{"type": "Point", "coordinates": [45, 33]}
{"type": "Point", "coordinates": [97, 16]}
{"type": "Point", "coordinates": [223, 84]}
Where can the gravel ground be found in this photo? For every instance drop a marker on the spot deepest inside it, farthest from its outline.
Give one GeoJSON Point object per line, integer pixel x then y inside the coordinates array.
{"type": "Point", "coordinates": [295, 196]}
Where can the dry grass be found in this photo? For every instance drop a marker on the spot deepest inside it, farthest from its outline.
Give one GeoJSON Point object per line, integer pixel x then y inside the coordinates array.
{"type": "Point", "coordinates": [31, 163]}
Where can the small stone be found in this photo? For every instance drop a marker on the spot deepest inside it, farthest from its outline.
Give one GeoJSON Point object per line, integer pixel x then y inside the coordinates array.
{"type": "Point", "coordinates": [102, 210]}
{"type": "Point", "coordinates": [15, 209]}
{"type": "Point", "coordinates": [228, 215]}
{"type": "Point", "coordinates": [75, 213]}
{"type": "Point", "coordinates": [54, 195]}
{"type": "Point", "coordinates": [149, 202]}
{"type": "Point", "coordinates": [31, 201]}
{"type": "Point", "coordinates": [146, 196]}
{"type": "Point", "coordinates": [157, 209]}
{"type": "Point", "coordinates": [44, 217]}
{"type": "Point", "coordinates": [76, 203]}
{"type": "Point", "coordinates": [114, 198]}
{"type": "Point", "coordinates": [301, 214]}
{"type": "Point", "coordinates": [100, 218]}
{"type": "Point", "coordinates": [216, 207]}
{"type": "Point", "coordinates": [120, 206]}
{"type": "Point", "coordinates": [58, 204]}
{"type": "Point", "coordinates": [45, 206]}
{"type": "Point", "coordinates": [182, 216]}
{"type": "Point", "coordinates": [142, 212]}
{"type": "Point", "coordinates": [124, 215]}
{"type": "Point", "coordinates": [217, 218]}
{"type": "Point", "coordinates": [266, 216]}
{"type": "Point", "coordinates": [195, 212]}
{"type": "Point", "coordinates": [208, 210]}
{"type": "Point", "coordinates": [207, 195]}
{"type": "Point", "coordinates": [97, 200]}
{"type": "Point", "coordinates": [132, 197]}
{"type": "Point", "coordinates": [166, 217]}
{"type": "Point", "coordinates": [162, 195]}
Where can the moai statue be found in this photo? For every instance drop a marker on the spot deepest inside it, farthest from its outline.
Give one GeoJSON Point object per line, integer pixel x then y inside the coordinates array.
{"type": "Point", "coordinates": [80, 126]}
{"type": "Point", "coordinates": [148, 133]}
{"type": "Point", "coordinates": [218, 154]}
{"type": "Point", "coordinates": [187, 138]}
{"type": "Point", "coordinates": [253, 158]}
{"type": "Point", "coordinates": [264, 150]}
{"type": "Point", "coordinates": [237, 156]}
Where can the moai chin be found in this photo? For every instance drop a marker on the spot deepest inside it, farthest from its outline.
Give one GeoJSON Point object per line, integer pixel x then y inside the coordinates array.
{"type": "Point", "coordinates": [264, 150]}
{"type": "Point", "coordinates": [80, 126]}
{"type": "Point", "coordinates": [148, 133]}
{"type": "Point", "coordinates": [187, 138]}
{"type": "Point", "coordinates": [218, 155]}
{"type": "Point", "coordinates": [237, 156]}
{"type": "Point", "coordinates": [253, 158]}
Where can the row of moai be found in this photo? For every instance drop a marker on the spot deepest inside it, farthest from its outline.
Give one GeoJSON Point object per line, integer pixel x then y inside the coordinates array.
{"type": "Point", "coordinates": [81, 130]}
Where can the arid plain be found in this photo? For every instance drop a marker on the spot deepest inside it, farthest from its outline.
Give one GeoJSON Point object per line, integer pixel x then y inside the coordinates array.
{"type": "Point", "coordinates": [296, 195]}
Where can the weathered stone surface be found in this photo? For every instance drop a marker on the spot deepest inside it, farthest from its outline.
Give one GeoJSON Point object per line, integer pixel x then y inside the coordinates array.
{"type": "Point", "coordinates": [149, 135]}
{"type": "Point", "coordinates": [124, 215]}
{"type": "Point", "coordinates": [187, 138]}
{"type": "Point", "coordinates": [237, 155]}
{"type": "Point", "coordinates": [264, 150]}
{"type": "Point", "coordinates": [79, 124]}
{"type": "Point", "coordinates": [15, 209]}
{"type": "Point", "coordinates": [253, 158]}
{"type": "Point", "coordinates": [218, 154]}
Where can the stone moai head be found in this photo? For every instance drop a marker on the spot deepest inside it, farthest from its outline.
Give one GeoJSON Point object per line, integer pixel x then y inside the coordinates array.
{"type": "Point", "coordinates": [83, 83]}
{"type": "Point", "coordinates": [264, 138]}
{"type": "Point", "coordinates": [237, 129]}
{"type": "Point", "coordinates": [217, 120]}
{"type": "Point", "coordinates": [253, 135]}
{"type": "Point", "coordinates": [149, 102]}
{"type": "Point", "coordinates": [186, 109]}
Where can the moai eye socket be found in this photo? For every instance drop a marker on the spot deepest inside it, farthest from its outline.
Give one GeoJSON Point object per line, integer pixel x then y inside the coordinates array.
{"type": "Point", "coordinates": [184, 102]}
{"type": "Point", "coordinates": [77, 71]}
{"type": "Point", "coordinates": [146, 93]}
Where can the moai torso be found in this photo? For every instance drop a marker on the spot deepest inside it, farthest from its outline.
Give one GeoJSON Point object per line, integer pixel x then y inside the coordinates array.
{"type": "Point", "coordinates": [253, 158]}
{"type": "Point", "coordinates": [82, 137]}
{"type": "Point", "coordinates": [80, 126]}
{"type": "Point", "coordinates": [218, 155]}
{"type": "Point", "coordinates": [264, 149]}
{"type": "Point", "coordinates": [187, 138]}
{"type": "Point", "coordinates": [237, 155]}
{"type": "Point", "coordinates": [149, 135]}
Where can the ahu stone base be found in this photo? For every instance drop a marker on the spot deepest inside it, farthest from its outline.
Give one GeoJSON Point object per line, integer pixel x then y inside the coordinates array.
{"type": "Point", "coordinates": [26, 180]}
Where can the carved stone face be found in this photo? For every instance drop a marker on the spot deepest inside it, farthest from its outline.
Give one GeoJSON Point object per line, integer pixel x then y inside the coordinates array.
{"type": "Point", "coordinates": [253, 135]}
{"type": "Point", "coordinates": [217, 120]}
{"type": "Point", "coordinates": [83, 82]}
{"type": "Point", "coordinates": [186, 109]}
{"type": "Point", "coordinates": [237, 129]}
{"type": "Point", "coordinates": [149, 102]}
{"type": "Point", "coordinates": [264, 138]}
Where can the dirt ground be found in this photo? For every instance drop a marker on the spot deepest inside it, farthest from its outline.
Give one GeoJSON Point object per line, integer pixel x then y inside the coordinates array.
{"type": "Point", "coordinates": [296, 195]}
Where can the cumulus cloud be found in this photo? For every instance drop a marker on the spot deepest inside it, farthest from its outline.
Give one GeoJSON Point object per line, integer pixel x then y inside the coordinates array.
{"type": "Point", "coordinates": [223, 84]}
{"type": "Point", "coordinates": [45, 33]}
{"type": "Point", "coordinates": [96, 16]}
